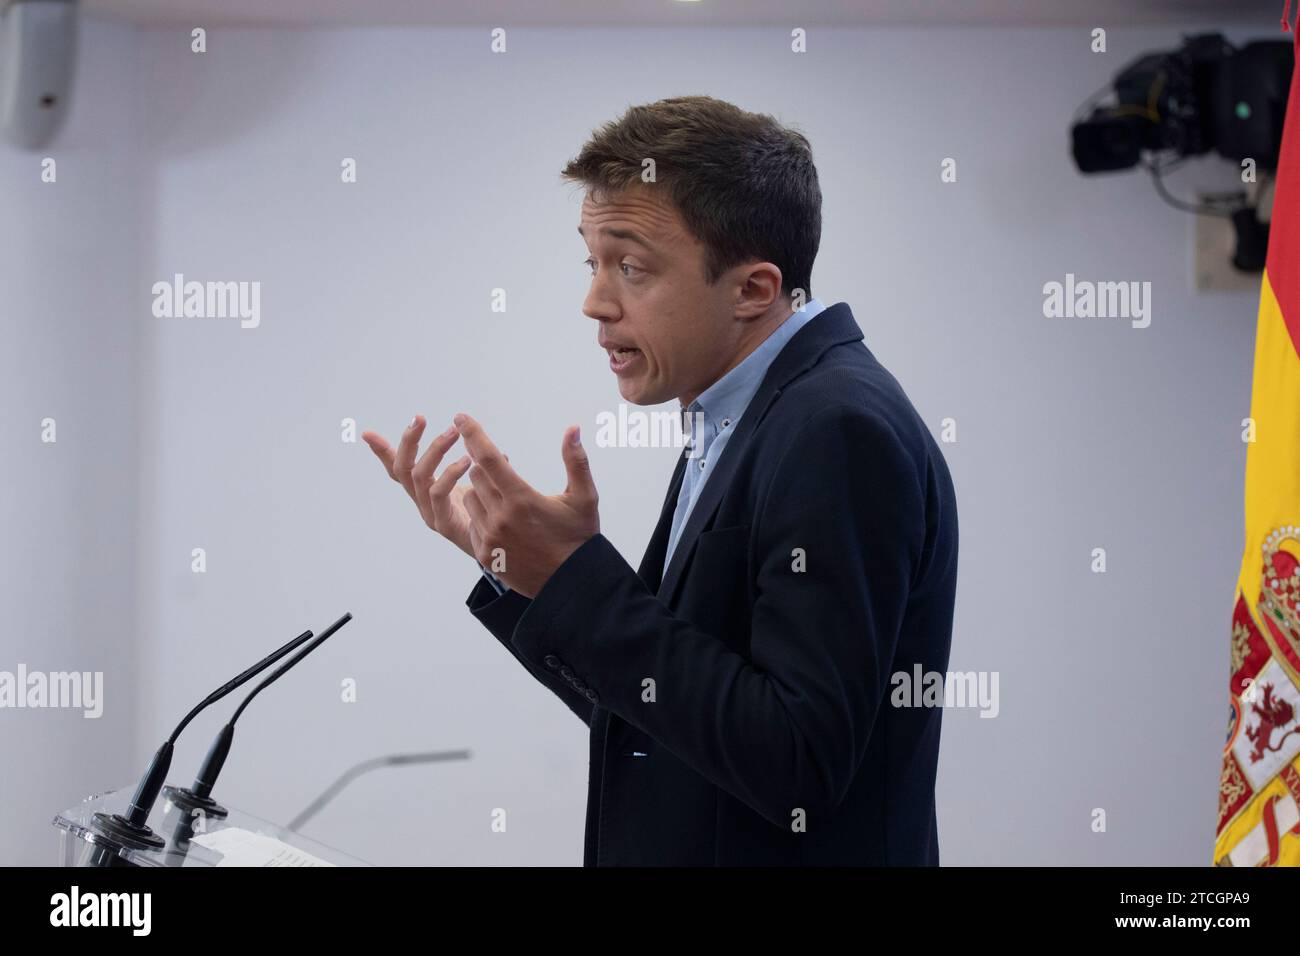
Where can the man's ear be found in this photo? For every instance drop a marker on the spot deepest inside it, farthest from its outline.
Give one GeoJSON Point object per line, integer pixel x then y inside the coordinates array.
{"type": "Point", "coordinates": [758, 287]}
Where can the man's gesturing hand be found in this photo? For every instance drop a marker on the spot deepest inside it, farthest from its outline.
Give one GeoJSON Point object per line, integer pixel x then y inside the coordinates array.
{"type": "Point", "coordinates": [440, 500]}
{"type": "Point", "coordinates": [519, 534]}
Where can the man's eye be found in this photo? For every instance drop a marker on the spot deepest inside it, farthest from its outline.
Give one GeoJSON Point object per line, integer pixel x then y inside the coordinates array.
{"type": "Point", "coordinates": [590, 263]}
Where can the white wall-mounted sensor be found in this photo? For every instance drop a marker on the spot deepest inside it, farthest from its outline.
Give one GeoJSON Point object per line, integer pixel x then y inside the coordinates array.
{"type": "Point", "coordinates": [38, 40]}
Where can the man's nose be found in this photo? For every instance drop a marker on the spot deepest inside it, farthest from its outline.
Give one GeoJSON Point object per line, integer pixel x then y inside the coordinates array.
{"type": "Point", "coordinates": [598, 307]}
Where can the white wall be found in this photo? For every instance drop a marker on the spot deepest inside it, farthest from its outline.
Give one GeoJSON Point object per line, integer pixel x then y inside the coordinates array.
{"type": "Point", "coordinates": [375, 304]}
{"type": "Point", "coordinates": [69, 350]}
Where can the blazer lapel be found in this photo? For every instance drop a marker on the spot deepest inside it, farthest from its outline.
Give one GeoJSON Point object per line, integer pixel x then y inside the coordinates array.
{"type": "Point", "coordinates": [652, 563]}
{"type": "Point", "coordinates": [834, 326]}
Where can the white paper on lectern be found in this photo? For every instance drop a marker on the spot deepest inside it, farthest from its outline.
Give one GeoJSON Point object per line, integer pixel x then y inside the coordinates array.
{"type": "Point", "coordinates": [246, 848]}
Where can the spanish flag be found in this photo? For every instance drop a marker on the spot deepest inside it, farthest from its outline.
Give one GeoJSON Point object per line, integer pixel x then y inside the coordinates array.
{"type": "Point", "coordinates": [1259, 786]}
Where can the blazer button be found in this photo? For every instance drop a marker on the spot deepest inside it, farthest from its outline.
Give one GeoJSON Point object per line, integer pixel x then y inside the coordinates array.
{"type": "Point", "coordinates": [566, 673]}
{"type": "Point", "coordinates": [578, 685]}
{"type": "Point", "coordinates": [551, 661]}
{"type": "Point", "coordinates": [591, 695]}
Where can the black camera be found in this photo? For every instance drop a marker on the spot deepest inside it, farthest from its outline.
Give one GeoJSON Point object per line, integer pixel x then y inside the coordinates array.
{"type": "Point", "coordinates": [1207, 95]}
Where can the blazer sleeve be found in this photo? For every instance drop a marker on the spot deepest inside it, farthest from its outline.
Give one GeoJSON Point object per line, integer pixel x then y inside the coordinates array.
{"type": "Point", "coordinates": [787, 726]}
{"type": "Point", "coordinates": [499, 612]}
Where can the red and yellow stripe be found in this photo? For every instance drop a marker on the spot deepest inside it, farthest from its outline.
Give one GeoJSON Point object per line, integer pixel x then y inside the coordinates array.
{"type": "Point", "coordinates": [1257, 825]}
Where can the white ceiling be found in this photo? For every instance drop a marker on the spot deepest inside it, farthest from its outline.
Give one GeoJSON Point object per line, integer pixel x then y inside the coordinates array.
{"type": "Point", "coordinates": [1106, 13]}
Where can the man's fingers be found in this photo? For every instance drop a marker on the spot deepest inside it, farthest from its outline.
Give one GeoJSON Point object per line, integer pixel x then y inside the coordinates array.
{"type": "Point", "coordinates": [487, 492]}
{"type": "Point", "coordinates": [404, 460]}
{"type": "Point", "coordinates": [487, 456]}
{"type": "Point", "coordinates": [383, 451]}
{"type": "Point", "coordinates": [411, 478]}
{"type": "Point", "coordinates": [577, 467]}
{"type": "Point", "coordinates": [422, 473]}
{"type": "Point", "coordinates": [477, 513]}
{"type": "Point", "coordinates": [441, 489]}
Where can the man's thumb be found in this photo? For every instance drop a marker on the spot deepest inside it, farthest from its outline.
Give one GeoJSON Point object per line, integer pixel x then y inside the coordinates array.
{"type": "Point", "coordinates": [576, 465]}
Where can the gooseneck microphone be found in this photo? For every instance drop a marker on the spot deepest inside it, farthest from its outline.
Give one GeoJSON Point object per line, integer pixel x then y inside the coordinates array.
{"type": "Point", "coordinates": [199, 796]}
{"type": "Point", "coordinates": [116, 831]}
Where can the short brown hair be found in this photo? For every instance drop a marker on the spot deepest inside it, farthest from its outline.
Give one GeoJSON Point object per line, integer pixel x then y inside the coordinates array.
{"type": "Point", "coordinates": [745, 185]}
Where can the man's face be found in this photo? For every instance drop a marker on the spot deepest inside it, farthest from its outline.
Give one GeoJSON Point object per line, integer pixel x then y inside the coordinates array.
{"type": "Point", "coordinates": [669, 334]}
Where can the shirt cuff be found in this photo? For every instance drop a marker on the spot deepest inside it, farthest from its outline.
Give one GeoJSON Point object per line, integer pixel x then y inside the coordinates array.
{"type": "Point", "coordinates": [492, 579]}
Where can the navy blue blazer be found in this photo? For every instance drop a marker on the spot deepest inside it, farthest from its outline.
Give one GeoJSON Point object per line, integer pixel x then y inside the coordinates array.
{"type": "Point", "coordinates": [739, 700]}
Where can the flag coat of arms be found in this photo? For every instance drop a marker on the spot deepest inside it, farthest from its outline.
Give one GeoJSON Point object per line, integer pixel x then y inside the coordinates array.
{"type": "Point", "coordinates": [1259, 786]}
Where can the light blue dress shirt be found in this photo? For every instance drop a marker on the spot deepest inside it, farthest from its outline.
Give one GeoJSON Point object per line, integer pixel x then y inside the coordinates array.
{"type": "Point", "coordinates": [711, 419]}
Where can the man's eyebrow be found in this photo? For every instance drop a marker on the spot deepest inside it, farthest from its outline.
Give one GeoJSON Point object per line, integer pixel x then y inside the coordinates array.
{"type": "Point", "coordinates": [628, 234]}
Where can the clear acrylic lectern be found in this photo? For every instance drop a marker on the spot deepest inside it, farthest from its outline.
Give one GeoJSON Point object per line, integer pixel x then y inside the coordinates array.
{"type": "Point", "coordinates": [185, 836]}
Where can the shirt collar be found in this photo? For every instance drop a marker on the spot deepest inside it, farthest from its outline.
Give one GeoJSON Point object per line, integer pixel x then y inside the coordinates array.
{"type": "Point", "coordinates": [726, 399]}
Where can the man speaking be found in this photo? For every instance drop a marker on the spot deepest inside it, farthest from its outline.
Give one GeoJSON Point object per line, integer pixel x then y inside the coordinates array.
{"type": "Point", "coordinates": [736, 684]}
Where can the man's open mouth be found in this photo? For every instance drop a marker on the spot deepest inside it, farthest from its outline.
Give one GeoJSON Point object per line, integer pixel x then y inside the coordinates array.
{"type": "Point", "coordinates": [622, 357]}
